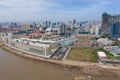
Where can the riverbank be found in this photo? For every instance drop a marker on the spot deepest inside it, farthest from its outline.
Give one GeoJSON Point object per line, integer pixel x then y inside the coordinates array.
{"type": "Point", "coordinates": [63, 62]}
{"type": "Point", "coordinates": [14, 67]}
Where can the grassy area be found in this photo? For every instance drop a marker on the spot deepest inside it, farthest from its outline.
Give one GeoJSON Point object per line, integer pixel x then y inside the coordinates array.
{"type": "Point", "coordinates": [83, 54]}
{"type": "Point", "coordinates": [89, 54]}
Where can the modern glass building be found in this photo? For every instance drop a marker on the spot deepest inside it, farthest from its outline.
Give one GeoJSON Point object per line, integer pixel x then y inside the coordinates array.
{"type": "Point", "coordinates": [115, 30]}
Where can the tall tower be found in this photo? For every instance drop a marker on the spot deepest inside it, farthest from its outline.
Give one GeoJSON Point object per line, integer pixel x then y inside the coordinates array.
{"type": "Point", "coordinates": [62, 29]}
{"type": "Point", "coordinates": [114, 30]}
{"type": "Point", "coordinates": [74, 22]}
{"type": "Point", "coordinates": [107, 21]}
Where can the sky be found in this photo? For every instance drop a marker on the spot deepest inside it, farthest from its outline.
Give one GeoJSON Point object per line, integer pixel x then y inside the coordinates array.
{"type": "Point", "coordinates": [56, 10]}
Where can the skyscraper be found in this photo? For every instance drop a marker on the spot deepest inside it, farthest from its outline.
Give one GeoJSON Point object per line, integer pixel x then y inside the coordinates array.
{"type": "Point", "coordinates": [115, 30]}
{"type": "Point", "coordinates": [74, 22]}
{"type": "Point", "coordinates": [107, 20]}
{"type": "Point", "coordinates": [62, 29]}
{"type": "Point", "coordinates": [47, 24]}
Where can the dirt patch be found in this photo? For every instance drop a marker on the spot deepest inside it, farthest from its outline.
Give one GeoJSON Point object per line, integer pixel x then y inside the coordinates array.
{"type": "Point", "coordinates": [96, 72]}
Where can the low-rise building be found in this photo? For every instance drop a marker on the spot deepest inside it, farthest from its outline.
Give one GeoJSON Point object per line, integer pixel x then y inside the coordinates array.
{"type": "Point", "coordinates": [104, 42]}
{"type": "Point", "coordinates": [114, 50]}
{"type": "Point", "coordinates": [67, 41]}
{"type": "Point", "coordinates": [101, 55]}
{"type": "Point", "coordinates": [6, 37]}
{"type": "Point", "coordinates": [36, 48]}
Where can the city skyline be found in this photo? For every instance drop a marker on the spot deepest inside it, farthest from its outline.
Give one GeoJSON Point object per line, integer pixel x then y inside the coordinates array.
{"type": "Point", "coordinates": [40, 10]}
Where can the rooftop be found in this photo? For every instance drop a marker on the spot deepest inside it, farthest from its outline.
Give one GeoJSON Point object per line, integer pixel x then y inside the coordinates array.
{"type": "Point", "coordinates": [30, 43]}
{"type": "Point", "coordinates": [101, 54]}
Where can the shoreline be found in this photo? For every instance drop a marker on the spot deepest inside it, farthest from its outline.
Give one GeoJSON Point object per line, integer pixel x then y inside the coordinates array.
{"type": "Point", "coordinates": [34, 57]}
{"type": "Point", "coordinates": [69, 63]}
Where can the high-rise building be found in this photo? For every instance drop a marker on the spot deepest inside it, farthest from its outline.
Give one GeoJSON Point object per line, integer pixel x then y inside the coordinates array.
{"type": "Point", "coordinates": [47, 24]}
{"type": "Point", "coordinates": [115, 30]}
{"type": "Point", "coordinates": [107, 20]}
{"type": "Point", "coordinates": [25, 26]}
{"type": "Point", "coordinates": [74, 23]}
{"type": "Point", "coordinates": [62, 30]}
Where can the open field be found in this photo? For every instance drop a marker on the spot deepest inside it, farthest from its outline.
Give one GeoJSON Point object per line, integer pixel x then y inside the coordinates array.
{"type": "Point", "coordinates": [86, 54]}
{"type": "Point", "coordinates": [83, 54]}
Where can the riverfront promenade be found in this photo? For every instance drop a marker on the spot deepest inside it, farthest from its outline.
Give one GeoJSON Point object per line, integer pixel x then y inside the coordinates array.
{"type": "Point", "coordinates": [62, 62]}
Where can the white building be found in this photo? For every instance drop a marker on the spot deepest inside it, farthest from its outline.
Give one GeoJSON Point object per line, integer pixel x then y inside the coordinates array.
{"type": "Point", "coordinates": [104, 41]}
{"type": "Point", "coordinates": [101, 55]}
{"type": "Point", "coordinates": [6, 37]}
{"type": "Point", "coordinates": [36, 48]}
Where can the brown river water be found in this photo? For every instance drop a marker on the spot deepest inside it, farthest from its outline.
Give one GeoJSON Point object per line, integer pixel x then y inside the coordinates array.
{"type": "Point", "coordinates": [13, 67]}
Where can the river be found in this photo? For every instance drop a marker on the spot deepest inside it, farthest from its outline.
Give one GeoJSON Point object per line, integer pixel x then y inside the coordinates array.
{"type": "Point", "coordinates": [13, 67]}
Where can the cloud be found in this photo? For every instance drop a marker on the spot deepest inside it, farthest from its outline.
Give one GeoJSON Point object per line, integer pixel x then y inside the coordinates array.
{"type": "Point", "coordinates": [52, 9]}
{"type": "Point", "coordinates": [22, 9]}
{"type": "Point", "coordinates": [17, 4]}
